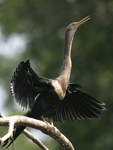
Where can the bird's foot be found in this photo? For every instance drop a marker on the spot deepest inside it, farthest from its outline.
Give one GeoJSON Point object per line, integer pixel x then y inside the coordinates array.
{"type": "Point", "coordinates": [43, 119]}
{"type": "Point", "coordinates": [51, 120]}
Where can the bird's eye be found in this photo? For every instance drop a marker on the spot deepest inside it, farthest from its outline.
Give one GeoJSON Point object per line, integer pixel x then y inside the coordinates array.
{"type": "Point", "coordinates": [73, 24]}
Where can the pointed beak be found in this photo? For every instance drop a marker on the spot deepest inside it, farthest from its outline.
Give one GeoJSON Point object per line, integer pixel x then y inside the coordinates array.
{"type": "Point", "coordinates": [82, 21]}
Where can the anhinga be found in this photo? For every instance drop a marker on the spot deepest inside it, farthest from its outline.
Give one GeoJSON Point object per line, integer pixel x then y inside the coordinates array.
{"type": "Point", "coordinates": [56, 98]}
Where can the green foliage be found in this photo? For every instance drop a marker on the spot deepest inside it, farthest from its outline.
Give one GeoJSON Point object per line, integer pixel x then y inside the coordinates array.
{"type": "Point", "coordinates": [43, 23]}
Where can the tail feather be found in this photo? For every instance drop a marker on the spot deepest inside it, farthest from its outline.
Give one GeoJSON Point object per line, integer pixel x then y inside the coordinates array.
{"type": "Point", "coordinates": [17, 131]}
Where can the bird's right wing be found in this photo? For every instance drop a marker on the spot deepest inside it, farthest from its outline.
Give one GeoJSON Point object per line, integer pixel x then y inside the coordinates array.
{"type": "Point", "coordinates": [26, 85]}
{"type": "Point", "coordinates": [77, 105]}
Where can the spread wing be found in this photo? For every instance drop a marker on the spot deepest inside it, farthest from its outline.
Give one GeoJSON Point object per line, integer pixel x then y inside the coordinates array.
{"type": "Point", "coordinates": [78, 105]}
{"type": "Point", "coordinates": [26, 85]}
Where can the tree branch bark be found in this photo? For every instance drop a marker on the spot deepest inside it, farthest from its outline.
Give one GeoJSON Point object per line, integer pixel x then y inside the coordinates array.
{"type": "Point", "coordinates": [34, 139]}
{"type": "Point", "coordinates": [31, 137]}
{"type": "Point", "coordinates": [37, 124]}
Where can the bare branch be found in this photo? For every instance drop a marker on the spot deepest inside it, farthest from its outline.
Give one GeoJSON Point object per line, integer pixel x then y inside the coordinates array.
{"type": "Point", "coordinates": [9, 135]}
{"type": "Point", "coordinates": [37, 124]}
{"type": "Point", "coordinates": [35, 140]}
{"type": "Point", "coordinates": [28, 135]}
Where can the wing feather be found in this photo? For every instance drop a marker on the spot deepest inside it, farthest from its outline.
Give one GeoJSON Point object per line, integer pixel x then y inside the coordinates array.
{"type": "Point", "coordinates": [78, 105]}
{"type": "Point", "coordinates": [86, 109]}
{"type": "Point", "coordinates": [26, 85]}
{"type": "Point", "coordinates": [91, 105]}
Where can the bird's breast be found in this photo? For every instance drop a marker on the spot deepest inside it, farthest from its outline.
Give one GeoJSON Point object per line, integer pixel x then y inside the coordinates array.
{"type": "Point", "coordinates": [58, 89]}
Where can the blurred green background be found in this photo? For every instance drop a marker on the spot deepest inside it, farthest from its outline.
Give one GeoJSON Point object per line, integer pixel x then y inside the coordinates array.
{"type": "Point", "coordinates": [35, 29]}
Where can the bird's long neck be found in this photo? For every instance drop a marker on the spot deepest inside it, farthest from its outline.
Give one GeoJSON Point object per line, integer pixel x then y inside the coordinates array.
{"type": "Point", "coordinates": [66, 66]}
{"type": "Point", "coordinates": [64, 77]}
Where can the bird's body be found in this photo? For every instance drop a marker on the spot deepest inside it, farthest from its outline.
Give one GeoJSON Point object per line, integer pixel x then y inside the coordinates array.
{"type": "Point", "coordinates": [53, 98]}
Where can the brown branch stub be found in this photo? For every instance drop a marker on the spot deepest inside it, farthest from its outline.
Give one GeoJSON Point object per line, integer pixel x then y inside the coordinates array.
{"type": "Point", "coordinates": [37, 124]}
{"type": "Point", "coordinates": [1, 115]}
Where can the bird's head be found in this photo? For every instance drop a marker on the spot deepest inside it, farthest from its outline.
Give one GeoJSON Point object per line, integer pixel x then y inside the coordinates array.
{"type": "Point", "coordinates": [73, 26]}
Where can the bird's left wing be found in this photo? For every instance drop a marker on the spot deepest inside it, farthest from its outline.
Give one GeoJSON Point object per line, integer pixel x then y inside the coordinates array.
{"type": "Point", "coordinates": [77, 105]}
{"type": "Point", "coordinates": [26, 85]}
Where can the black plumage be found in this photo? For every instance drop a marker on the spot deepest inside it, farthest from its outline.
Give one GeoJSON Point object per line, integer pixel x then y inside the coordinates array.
{"type": "Point", "coordinates": [28, 88]}
{"type": "Point", "coordinates": [56, 99]}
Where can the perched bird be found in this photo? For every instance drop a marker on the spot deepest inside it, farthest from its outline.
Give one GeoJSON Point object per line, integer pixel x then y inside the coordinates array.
{"type": "Point", "coordinates": [56, 98]}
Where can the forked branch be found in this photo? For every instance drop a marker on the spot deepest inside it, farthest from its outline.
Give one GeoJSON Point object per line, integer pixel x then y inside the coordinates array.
{"type": "Point", "coordinates": [37, 124]}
